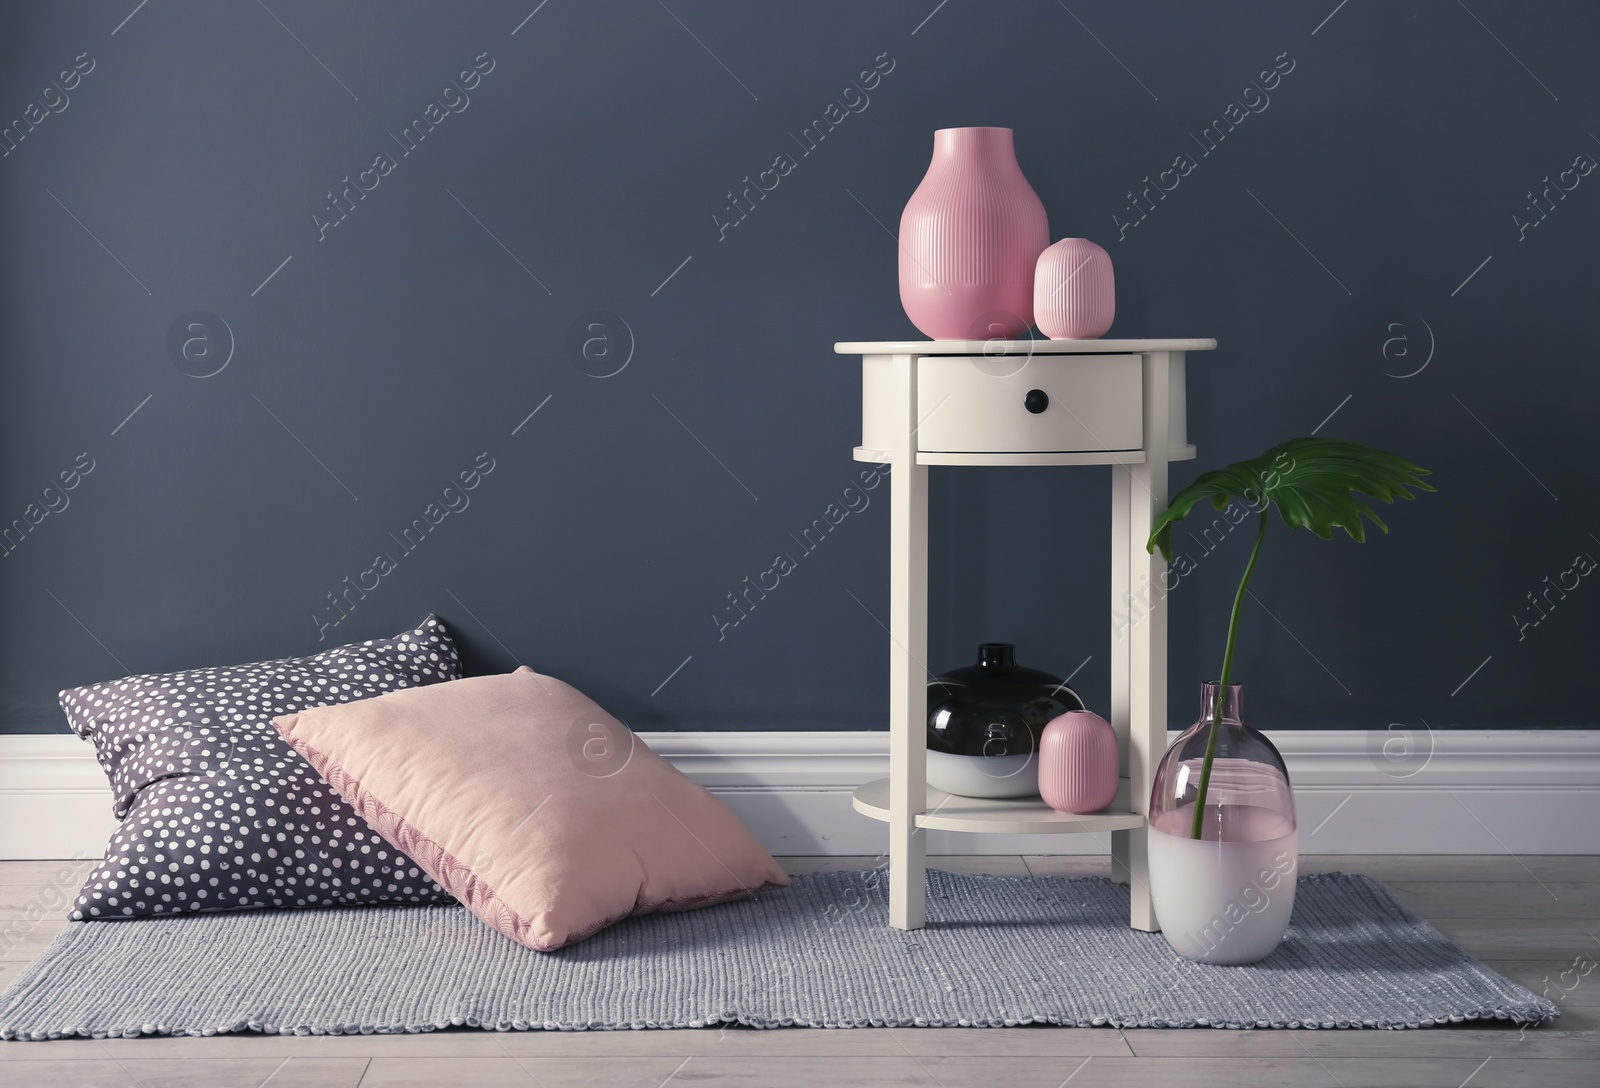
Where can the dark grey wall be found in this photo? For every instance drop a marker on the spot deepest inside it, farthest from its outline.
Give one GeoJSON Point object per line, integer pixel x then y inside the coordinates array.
{"type": "Point", "coordinates": [1322, 243]}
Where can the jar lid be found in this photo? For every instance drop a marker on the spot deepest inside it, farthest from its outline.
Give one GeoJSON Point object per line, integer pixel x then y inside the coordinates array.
{"type": "Point", "coordinates": [997, 655]}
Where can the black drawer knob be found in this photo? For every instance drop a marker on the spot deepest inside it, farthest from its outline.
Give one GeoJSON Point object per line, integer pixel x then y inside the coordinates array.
{"type": "Point", "coordinates": [1036, 401]}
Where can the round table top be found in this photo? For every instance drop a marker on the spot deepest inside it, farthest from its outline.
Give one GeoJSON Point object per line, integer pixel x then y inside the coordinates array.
{"type": "Point", "coordinates": [1017, 347]}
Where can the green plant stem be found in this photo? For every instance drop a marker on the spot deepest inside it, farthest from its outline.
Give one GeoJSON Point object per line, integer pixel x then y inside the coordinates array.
{"type": "Point", "coordinates": [1227, 673]}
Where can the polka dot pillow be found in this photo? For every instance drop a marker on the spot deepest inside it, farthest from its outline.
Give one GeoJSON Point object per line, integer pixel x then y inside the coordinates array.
{"type": "Point", "coordinates": [218, 812]}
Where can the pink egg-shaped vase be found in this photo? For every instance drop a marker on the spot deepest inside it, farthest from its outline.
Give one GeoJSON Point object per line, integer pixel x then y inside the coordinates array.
{"type": "Point", "coordinates": [1074, 292]}
{"type": "Point", "coordinates": [1078, 767]}
{"type": "Point", "coordinates": [970, 238]}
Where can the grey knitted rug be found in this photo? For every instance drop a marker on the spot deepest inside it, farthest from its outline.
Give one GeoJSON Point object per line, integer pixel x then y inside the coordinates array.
{"type": "Point", "coordinates": [997, 951]}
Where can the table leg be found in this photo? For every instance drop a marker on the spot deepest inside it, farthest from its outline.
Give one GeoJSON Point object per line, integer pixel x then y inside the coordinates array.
{"type": "Point", "coordinates": [908, 653]}
{"type": "Point", "coordinates": [1147, 641]}
{"type": "Point", "coordinates": [1126, 612]}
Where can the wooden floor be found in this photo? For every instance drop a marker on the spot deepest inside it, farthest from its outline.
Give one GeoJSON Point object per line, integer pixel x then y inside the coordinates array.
{"type": "Point", "coordinates": [1531, 918]}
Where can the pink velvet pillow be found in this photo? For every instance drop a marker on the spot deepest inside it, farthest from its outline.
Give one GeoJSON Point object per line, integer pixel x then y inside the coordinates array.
{"type": "Point", "coordinates": [542, 813]}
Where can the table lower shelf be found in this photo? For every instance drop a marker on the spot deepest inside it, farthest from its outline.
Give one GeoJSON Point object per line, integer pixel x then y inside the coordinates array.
{"type": "Point", "coordinates": [1012, 816]}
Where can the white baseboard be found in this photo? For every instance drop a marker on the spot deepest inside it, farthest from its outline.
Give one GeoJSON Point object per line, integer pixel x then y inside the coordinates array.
{"type": "Point", "coordinates": [1480, 792]}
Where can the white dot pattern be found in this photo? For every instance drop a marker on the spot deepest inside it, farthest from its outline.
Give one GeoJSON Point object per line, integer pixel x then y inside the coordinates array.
{"type": "Point", "coordinates": [218, 811]}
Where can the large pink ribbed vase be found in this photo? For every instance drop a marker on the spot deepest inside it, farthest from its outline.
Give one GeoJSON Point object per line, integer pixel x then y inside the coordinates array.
{"type": "Point", "coordinates": [970, 238]}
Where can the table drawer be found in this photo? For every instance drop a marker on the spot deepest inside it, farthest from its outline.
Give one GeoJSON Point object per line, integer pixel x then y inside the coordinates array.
{"type": "Point", "coordinates": [1035, 405]}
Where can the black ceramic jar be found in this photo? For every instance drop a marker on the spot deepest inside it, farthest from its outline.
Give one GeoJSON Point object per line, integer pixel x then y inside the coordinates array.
{"type": "Point", "coordinates": [984, 724]}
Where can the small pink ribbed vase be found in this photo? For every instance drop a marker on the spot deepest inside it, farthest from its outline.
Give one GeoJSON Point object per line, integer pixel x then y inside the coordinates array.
{"type": "Point", "coordinates": [969, 240]}
{"type": "Point", "coordinates": [1074, 293]}
{"type": "Point", "coordinates": [1078, 768]}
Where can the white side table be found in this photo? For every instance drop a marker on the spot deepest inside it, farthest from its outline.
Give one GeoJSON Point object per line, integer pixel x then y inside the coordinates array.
{"type": "Point", "coordinates": [1031, 402]}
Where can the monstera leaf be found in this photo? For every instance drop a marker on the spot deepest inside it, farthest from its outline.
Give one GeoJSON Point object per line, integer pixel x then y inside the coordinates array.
{"type": "Point", "coordinates": [1312, 482]}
